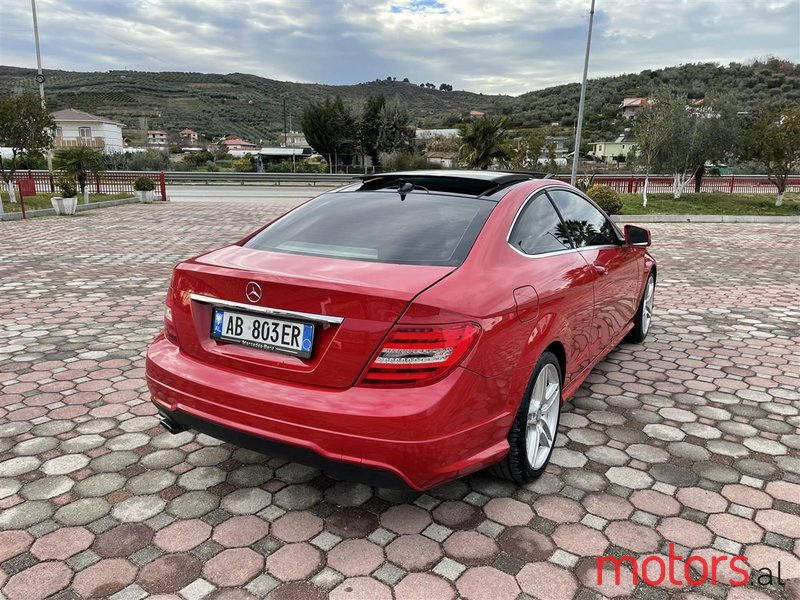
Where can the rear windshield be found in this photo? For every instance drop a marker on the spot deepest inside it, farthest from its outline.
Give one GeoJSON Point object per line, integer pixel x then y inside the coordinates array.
{"type": "Point", "coordinates": [424, 229]}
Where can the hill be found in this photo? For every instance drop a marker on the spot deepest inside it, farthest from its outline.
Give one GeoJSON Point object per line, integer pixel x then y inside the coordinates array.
{"type": "Point", "coordinates": [252, 106]}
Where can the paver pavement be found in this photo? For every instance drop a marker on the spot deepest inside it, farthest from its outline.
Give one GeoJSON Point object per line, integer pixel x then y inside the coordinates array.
{"type": "Point", "coordinates": [690, 439]}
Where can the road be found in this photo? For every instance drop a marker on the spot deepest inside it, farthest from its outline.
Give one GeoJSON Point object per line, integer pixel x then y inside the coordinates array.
{"type": "Point", "coordinates": [282, 195]}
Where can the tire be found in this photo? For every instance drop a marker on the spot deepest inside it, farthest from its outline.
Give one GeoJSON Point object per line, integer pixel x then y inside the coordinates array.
{"type": "Point", "coordinates": [644, 315]}
{"type": "Point", "coordinates": [517, 465]}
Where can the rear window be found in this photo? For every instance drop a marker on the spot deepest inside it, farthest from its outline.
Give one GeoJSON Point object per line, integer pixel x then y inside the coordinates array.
{"type": "Point", "coordinates": [424, 229]}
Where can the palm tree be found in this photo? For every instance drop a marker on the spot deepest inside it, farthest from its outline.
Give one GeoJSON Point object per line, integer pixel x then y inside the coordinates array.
{"type": "Point", "coordinates": [483, 141]}
{"type": "Point", "coordinates": [79, 163]}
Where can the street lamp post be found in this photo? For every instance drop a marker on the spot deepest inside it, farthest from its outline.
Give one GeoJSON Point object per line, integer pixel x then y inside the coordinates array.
{"type": "Point", "coordinates": [39, 74]}
{"type": "Point", "coordinates": [576, 149]}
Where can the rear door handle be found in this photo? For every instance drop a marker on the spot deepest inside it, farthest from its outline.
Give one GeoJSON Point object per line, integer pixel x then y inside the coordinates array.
{"type": "Point", "coordinates": [601, 269]}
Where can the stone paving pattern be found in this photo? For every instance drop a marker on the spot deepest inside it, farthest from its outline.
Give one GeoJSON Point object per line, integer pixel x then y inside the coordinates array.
{"type": "Point", "coordinates": [691, 439]}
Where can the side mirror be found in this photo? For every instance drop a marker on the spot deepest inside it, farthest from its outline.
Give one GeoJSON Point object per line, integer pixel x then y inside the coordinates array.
{"type": "Point", "coordinates": [637, 236]}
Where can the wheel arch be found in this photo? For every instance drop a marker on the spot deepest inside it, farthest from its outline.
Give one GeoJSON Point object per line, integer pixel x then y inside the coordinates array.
{"type": "Point", "coordinates": [557, 349]}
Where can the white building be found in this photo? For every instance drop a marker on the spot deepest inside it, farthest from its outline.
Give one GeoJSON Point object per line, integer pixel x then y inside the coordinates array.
{"type": "Point", "coordinates": [156, 137]}
{"type": "Point", "coordinates": [425, 135]}
{"type": "Point", "coordinates": [296, 139]}
{"type": "Point", "coordinates": [608, 152]}
{"type": "Point", "coordinates": [79, 128]}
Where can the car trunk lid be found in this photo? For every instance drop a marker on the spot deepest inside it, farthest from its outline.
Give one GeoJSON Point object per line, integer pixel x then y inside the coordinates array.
{"type": "Point", "coordinates": [367, 297]}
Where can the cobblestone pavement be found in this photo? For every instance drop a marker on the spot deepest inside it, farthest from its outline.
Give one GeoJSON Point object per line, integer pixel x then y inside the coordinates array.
{"type": "Point", "coordinates": [690, 439]}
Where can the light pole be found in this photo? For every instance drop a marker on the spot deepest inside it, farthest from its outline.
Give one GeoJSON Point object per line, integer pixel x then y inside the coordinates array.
{"type": "Point", "coordinates": [576, 149]}
{"type": "Point", "coordinates": [39, 74]}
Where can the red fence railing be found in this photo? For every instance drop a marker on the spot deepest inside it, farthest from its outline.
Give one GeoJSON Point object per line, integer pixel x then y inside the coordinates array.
{"type": "Point", "coordinates": [109, 182]}
{"type": "Point", "coordinates": [112, 182]}
{"type": "Point", "coordinates": [659, 184]}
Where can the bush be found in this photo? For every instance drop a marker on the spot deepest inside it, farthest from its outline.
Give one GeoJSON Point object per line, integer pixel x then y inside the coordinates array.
{"type": "Point", "coordinates": [244, 164]}
{"type": "Point", "coordinates": [144, 184]}
{"type": "Point", "coordinates": [401, 161]}
{"type": "Point", "coordinates": [193, 160]}
{"type": "Point", "coordinates": [607, 199]}
{"type": "Point", "coordinates": [67, 187]}
{"type": "Point", "coordinates": [151, 160]}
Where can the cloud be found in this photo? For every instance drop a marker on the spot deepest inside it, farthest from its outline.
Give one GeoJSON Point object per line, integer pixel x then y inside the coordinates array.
{"type": "Point", "coordinates": [485, 46]}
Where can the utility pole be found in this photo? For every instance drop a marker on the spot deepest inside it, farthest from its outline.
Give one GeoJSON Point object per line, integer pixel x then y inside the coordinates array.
{"type": "Point", "coordinates": [39, 74]}
{"type": "Point", "coordinates": [576, 150]}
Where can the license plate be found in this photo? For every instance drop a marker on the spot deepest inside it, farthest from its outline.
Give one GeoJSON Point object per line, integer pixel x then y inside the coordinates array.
{"type": "Point", "coordinates": [265, 333]}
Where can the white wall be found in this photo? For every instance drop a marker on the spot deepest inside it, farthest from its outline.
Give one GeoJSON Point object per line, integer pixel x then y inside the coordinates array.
{"type": "Point", "coordinates": [112, 134]}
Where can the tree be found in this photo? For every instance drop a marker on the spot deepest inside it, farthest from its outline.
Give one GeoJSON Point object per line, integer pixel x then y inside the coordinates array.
{"type": "Point", "coordinates": [483, 141]}
{"type": "Point", "coordinates": [27, 128]}
{"type": "Point", "coordinates": [245, 164]}
{"type": "Point", "coordinates": [525, 150]}
{"type": "Point", "coordinates": [552, 163]}
{"type": "Point", "coordinates": [370, 127]}
{"type": "Point", "coordinates": [330, 128]}
{"type": "Point", "coordinates": [651, 133]}
{"type": "Point", "coordinates": [774, 141]}
{"type": "Point", "coordinates": [79, 162]}
{"type": "Point", "coordinates": [395, 133]}
{"type": "Point", "coordinates": [690, 138]}
{"type": "Point", "coordinates": [680, 149]}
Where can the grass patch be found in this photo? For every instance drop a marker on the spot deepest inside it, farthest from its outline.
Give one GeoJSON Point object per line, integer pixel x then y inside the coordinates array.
{"type": "Point", "coordinates": [43, 200]}
{"type": "Point", "coordinates": [711, 203]}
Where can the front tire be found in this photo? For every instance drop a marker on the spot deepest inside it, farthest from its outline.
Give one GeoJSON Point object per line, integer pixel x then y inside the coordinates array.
{"type": "Point", "coordinates": [644, 316]}
{"type": "Point", "coordinates": [533, 433]}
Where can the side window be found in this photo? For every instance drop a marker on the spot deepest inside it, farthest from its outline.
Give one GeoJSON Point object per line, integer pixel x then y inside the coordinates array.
{"type": "Point", "coordinates": [85, 132]}
{"type": "Point", "coordinates": [586, 225]}
{"type": "Point", "coordinates": [539, 229]}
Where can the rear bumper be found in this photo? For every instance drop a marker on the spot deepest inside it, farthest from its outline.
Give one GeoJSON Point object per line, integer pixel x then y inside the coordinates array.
{"type": "Point", "coordinates": [415, 437]}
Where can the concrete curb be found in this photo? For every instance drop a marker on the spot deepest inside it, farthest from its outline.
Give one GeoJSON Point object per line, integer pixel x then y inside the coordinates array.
{"type": "Point", "coordinates": [47, 212]}
{"type": "Point", "coordinates": [705, 219]}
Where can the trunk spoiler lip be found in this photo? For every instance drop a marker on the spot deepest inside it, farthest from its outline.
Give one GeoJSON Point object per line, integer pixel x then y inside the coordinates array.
{"type": "Point", "coordinates": [275, 312]}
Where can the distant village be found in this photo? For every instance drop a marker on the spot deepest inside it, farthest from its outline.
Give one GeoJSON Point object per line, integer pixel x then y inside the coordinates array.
{"type": "Point", "coordinates": [439, 146]}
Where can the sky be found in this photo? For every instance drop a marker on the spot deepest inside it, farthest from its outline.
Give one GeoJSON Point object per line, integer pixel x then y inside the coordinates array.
{"type": "Point", "coordinates": [494, 47]}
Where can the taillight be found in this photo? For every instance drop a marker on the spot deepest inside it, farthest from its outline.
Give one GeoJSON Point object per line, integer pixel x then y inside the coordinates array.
{"type": "Point", "coordinates": [170, 332]}
{"type": "Point", "coordinates": [419, 354]}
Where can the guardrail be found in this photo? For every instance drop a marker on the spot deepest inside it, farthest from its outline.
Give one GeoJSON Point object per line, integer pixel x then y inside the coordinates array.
{"type": "Point", "coordinates": [122, 181]}
{"type": "Point", "coordinates": [312, 179]}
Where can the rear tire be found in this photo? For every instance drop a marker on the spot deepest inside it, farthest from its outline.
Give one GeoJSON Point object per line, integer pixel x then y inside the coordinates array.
{"type": "Point", "coordinates": [532, 436]}
{"type": "Point", "coordinates": [644, 316]}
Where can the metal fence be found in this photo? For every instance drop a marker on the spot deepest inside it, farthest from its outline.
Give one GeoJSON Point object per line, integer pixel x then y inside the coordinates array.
{"type": "Point", "coordinates": [122, 181]}
{"type": "Point", "coordinates": [662, 184]}
{"type": "Point", "coordinates": [110, 182]}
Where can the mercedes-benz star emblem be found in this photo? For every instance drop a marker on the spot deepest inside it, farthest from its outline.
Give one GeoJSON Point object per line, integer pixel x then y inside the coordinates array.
{"type": "Point", "coordinates": [253, 291]}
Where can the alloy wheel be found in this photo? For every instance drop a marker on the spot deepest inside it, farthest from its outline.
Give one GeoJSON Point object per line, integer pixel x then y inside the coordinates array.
{"type": "Point", "coordinates": [647, 305]}
{"type": "Point", "coordinates": [543, 416]}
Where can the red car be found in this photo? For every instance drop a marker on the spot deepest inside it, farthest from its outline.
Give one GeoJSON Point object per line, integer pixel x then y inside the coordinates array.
{"type": "Point", "coordinates": [404, 330]}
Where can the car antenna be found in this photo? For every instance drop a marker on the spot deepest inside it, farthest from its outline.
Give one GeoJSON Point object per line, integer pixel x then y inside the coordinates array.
{"type": "Point", "coordinates": [404, 189]}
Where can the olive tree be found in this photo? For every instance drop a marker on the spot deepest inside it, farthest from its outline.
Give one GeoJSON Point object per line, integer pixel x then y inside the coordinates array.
{"type": "Point", "coordinates": [27, 129]}
{"type": "Point", "coordinates": [651, 133]}
{"type": "Point", "coordinates": [774, 141]}
{"type": "Point", "coordinates": [525, 150]}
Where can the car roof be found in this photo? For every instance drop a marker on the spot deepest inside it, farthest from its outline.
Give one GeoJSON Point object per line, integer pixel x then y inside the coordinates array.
{"type": "Point", "coordinates": [470, 183]}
